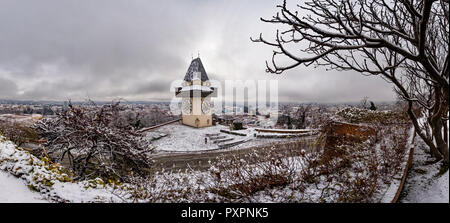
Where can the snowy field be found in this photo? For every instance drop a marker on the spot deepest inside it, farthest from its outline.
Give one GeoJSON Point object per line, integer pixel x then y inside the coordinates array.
{"type": "Point", "coordinates": [181, 138]}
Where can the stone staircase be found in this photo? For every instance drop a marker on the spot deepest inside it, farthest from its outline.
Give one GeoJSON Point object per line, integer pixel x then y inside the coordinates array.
{"type": "Point", "coordinates": [223, 140]}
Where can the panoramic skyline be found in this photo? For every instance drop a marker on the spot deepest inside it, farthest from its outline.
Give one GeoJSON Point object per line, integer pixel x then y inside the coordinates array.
{"type": "Point", "coordinates": [293, 102]}
{"type": "Point", "coordinates": [104, 50]}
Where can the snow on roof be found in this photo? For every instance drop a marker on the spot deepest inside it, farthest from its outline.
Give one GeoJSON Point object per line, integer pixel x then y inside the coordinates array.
{"type": "Point", "coordinates": [196, 88]}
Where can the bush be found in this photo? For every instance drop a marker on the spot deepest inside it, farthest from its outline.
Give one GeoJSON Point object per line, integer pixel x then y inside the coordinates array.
{"type": "Point", "coordinates": [358, 115]}
{"type": "Point", "coordinates": [243, 175]}
{"type": "Point", "coordinates": [93, 143]}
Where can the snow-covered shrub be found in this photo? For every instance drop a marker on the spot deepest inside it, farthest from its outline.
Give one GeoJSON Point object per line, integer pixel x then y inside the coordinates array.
{"type": "Point", "coordinates": [230, 179]}
{"type": "Point", "coordinates": [54, 182]}
{"type": "Point", "coordinates": [94, 143]}
{"type": "Point", "coordinates": [243, 175]}
{"type": "Point", "coordinates": [359, 115]}
{"type": "Point", "coordinates": [39, 174]}
{"type": "Point", "coordinates": [169, 187]}
{"type": "Point", "coordinates": [357, 170]}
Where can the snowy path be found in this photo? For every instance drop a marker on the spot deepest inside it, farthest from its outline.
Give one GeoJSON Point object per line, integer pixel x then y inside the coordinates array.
{"type": "Point", "coordinates": [13, 190]}
{"type": "Point", "coordinates": [422, 185]}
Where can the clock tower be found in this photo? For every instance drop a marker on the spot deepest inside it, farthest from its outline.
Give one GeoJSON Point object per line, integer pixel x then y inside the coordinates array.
{"type": "Point", "coordinates": [196, 93]}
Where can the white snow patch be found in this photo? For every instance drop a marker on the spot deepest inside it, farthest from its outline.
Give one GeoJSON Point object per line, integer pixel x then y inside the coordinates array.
{"type": "Point", "coordinates": [77, 193]}
{"type": "Point", "coordinates": [182, 138]}
{"type": "Point", "coordinates": [422, 184]}
{"type": "Point", "coordinates": [13, 190]}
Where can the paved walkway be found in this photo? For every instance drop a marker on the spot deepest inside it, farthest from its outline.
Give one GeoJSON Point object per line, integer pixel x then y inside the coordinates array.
{"type": "Point", "coordinates": [423, 184]}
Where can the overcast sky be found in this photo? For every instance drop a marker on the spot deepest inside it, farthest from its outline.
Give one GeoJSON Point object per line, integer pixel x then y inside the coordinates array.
{"type": "Point", "coordinates": [106, 49]}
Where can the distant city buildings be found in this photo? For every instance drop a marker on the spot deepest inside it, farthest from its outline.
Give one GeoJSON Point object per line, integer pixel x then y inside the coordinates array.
{"type": "Point", "coordinates": [284, 115]}
{"type": "Point", "coordinates": [26, 108]}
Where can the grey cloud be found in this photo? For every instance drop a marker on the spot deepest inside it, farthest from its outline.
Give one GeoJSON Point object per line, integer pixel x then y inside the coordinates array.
{"type": "Point", "coordinates": [53, 49]}
{"type": "Point", "coordinates": [8, 89]}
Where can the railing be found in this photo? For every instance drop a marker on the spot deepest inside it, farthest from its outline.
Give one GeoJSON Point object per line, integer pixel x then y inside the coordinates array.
{"type": "Point", "coordinates": [157, 126]}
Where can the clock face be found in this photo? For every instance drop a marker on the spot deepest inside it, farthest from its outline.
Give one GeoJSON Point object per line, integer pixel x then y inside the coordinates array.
{"type": "Point", "coordinates": [186, 106]}
{"type": "Point", "coordinates": [206, 106]}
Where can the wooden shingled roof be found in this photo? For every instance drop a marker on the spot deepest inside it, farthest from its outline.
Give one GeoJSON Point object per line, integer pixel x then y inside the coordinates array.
{"type": "Point", "coordinates": [196, 66]}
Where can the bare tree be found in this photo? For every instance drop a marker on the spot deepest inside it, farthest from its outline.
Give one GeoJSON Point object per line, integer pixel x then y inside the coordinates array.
{"type": "Point", "coordinates": [95, 142]}
{"type": "Point", "coordinates": [364, 102]}
{"type": "Point", "coordinates": [403, 41]}
{"type": "Point", "coordinates": [300, 115]}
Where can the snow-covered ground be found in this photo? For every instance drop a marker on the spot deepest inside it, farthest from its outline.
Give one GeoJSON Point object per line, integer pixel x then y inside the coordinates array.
{"type": "Point", "coordinates": [182, 138]}
{"type": "Point", "coordinates": [423, 185]}
{"type": "Point", "coordinates": [48, 179]}
{"type": "Point", "coordinates": [14, 190]}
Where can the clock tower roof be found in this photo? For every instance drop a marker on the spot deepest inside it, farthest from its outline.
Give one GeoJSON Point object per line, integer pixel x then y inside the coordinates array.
{"type": "Point", "coordinates": [196, 66]}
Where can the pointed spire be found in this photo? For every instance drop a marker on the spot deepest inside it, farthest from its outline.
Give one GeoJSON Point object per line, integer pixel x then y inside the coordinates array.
{"type": "Point", "coordinates": [196, 66]}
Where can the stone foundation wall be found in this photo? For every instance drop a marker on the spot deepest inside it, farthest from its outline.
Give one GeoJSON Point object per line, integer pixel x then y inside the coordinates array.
{"type": "Point", "coordinates": [197, 121]}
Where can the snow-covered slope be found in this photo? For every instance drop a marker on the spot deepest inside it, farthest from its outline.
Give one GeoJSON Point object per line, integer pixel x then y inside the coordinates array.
{"type": "Point", "coordinates": [49, 179]}
{"type": "Point", "coordinates": [14, 190]}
